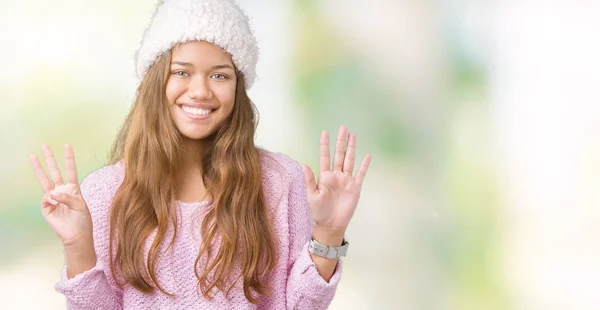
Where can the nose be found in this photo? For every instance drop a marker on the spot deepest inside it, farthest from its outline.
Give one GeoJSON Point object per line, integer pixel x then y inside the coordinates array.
{"type": "Point", "coordinates": [199, 89]}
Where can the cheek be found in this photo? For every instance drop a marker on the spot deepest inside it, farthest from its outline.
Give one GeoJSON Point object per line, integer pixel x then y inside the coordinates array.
{"type": "Point", "coordinates": [226, 97]}
{"type": "Point", "coordinates": [173, 91]}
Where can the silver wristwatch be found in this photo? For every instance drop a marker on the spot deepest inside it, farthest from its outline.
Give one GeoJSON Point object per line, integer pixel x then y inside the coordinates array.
{"type": "Point", "coordinates": [329, 252]}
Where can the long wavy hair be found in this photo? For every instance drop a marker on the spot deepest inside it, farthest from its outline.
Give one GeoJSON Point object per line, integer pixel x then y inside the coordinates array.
{"type": "Point", "coordinates": [236, 229]}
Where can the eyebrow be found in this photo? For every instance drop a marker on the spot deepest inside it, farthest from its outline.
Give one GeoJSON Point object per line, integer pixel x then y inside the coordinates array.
{"type": "Point", "coordinates": [216, 67]}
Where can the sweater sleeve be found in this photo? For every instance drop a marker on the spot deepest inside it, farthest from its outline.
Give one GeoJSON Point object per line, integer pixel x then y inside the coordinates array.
{"type": "Point", "coordinates": [306, 289]}
{"type": "Point", "coordinates": [95, 288]}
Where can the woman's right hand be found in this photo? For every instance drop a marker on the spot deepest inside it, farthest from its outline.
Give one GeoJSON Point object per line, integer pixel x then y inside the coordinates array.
{"type": "Point", "coordinates": [63, 206]}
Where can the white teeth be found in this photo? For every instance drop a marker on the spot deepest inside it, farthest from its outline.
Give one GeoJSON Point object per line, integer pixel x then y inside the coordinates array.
{"type": "Point", "coordinates": [194, 110]}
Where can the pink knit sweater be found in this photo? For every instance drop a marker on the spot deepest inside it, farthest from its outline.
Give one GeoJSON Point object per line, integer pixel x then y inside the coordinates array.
{"type": "Point", "coordinates": [296, 284]}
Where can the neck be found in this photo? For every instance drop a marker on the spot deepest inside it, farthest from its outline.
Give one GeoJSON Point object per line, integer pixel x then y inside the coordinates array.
{"type": "Point", "coordinates": [191, 186]}
{"type": "Point", "coordinates": [192, 155]}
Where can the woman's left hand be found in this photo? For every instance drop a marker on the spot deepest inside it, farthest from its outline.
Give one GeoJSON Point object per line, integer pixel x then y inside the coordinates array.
{"type": "Point", "coordinates": [333, 200]}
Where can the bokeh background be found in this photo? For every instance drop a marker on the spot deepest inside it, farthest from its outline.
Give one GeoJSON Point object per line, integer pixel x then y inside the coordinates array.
{"type": "Point", "coordinates": [483, 118]}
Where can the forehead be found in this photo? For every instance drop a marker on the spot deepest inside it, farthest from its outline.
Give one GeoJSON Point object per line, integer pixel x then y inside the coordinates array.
{"type": "Point", "coordinates": [200, 53]}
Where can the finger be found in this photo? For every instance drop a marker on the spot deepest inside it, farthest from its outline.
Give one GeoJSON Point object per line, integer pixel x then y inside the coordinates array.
{"type": "Point", "coordinates": [350, 153]}
{"type": "Point", "coordinates": [324, 161]}
{"type": "Point", "coordinates": [309, 180]}
{"type": "Point", "coordinates": [52, 166]}
{"type": "Point", "coordinates": [340, 149]}
{"type": "Point", "coordinates": [48, 205]}
{"type": "Point", "coordinates": [70, 167]}
{"type": "Point", "coordinates": [362, 171]}
{"type": "Point", "coordinates": [68, 200]}
{"type": "Point", "coordinates": [48, 201]}
{"type": "Point", "coordinates": [40, 174]}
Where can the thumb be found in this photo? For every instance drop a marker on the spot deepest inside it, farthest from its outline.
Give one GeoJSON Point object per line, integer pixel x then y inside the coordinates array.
{"type": "Point", "coordinates": [309, 180]}
{"type": "Point", "coordinates": [68, 200]}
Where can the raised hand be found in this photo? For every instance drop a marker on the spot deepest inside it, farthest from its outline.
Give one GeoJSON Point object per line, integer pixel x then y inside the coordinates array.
{"type": "Point", "coordinates": [334, 199]}
{"type": "Point", "coordinates": [62, 205]}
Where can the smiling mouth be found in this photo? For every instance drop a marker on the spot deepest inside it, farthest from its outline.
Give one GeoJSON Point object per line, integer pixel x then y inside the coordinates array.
{"type": "Point", "coordinates": [195, 113]}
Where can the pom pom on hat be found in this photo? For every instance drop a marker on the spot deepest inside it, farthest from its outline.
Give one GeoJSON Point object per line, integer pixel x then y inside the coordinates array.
{"type": "Point", "coordinates": [220, 22]}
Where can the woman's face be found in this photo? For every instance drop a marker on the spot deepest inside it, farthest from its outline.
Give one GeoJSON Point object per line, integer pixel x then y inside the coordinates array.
{"type": "Point", "coordinates": [200, 89]}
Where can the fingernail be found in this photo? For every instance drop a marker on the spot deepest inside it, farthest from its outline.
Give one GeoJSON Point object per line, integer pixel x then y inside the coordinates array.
{"type": "Point", "coordinates": [54, 202]}
{"type": "Point", "coordinates": [54, 194]}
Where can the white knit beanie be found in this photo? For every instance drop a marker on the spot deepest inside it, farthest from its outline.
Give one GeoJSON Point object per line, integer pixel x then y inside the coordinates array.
{"type": "Point", "coordinates": [220, 22]}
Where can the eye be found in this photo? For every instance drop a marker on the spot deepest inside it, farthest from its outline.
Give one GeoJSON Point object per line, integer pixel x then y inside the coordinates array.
{"type": "Point", "coordinates": [219, 76]}
{"type": "Point", "coordinates": [180, 73]}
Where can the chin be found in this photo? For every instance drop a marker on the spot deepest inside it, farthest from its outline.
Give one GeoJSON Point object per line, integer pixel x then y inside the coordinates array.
{"type": "Point", "coordinates": [194, 135]}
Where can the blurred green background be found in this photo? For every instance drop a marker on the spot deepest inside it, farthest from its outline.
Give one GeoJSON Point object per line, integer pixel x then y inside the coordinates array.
{"type": "Point", "coordinates": [482, 118]}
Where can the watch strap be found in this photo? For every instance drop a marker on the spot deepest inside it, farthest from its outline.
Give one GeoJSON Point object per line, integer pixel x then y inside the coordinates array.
{"type": "Point", "coordinates": [326, 251]}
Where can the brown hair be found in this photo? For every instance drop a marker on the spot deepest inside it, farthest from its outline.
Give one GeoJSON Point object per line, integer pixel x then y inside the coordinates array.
{"type": "Point", "coordinates": [237, 218]}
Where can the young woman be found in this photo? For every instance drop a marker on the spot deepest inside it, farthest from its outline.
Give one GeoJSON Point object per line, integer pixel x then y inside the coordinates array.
{"type": "Point", "coordinates": [190, 214]}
